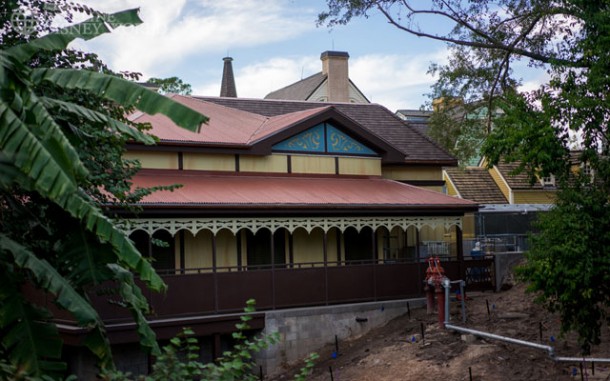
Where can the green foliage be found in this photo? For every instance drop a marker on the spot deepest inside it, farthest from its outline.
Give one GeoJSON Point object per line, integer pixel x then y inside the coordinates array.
{"type": "Point", "coordinates": [568, 261]}
{"type": "Point", "coordinates": [171, 85]}
{"type": "Point", "coordinates": [307, 369]}
{"type": "Point", "coordinates": [527, 135]}
{"type": "Point", "coordinates": [569, 42]}
{"type": "Point", "coordinates": [61, 135]}
{"type": "Point", "coordinates": [179, 360]}
{"type": "Point", "coordinates": [238, 363]}
{"type": "Point", "coordinates": [458, 128]}
{"type": "Point", "coordinates": [9, 371]}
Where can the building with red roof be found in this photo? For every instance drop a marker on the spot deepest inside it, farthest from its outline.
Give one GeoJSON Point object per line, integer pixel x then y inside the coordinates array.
{"type": "Point", "coordinates": [320, 206]}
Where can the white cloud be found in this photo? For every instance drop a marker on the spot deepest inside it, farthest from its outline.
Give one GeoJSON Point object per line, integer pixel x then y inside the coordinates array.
{"type": "Point", "coordinates": [186, 38]}
{"type": "Point", "coordinates": [174, 33]}
{"type": "Point", "coordinates": [395, 81]}
{"type": "Point", "coordinates": [259, 79]}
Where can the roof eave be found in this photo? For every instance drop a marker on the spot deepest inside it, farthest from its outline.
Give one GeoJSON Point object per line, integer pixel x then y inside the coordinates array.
{"type": "Point", "coordinates": [299, 209]}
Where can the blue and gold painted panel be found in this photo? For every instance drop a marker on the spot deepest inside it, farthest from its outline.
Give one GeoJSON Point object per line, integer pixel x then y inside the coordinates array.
{"type": "Point", "coordinates": [311, 140]}
{"type": "Point", "coordinates": [339, 142]}
{"type": "Point", "coordinates": [324, 138]}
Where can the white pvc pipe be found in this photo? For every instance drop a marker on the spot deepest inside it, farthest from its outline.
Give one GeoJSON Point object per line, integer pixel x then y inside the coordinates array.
{"type": "Point", "coordinates": [507, 339]}
{"type": "Point", "coordinates": [548, 348]}
{"type": "Point", "coordinates": [581, 359]}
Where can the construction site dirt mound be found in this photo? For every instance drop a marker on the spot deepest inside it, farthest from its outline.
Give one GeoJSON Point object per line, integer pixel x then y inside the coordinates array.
{"type": "Point", "coordinates": [398, 351]}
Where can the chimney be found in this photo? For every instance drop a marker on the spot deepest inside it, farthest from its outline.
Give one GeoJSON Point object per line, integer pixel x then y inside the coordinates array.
{"type": "Point", "coordinates": [334, 65]}
{"type": "Point", "coordinates": [227, 87]}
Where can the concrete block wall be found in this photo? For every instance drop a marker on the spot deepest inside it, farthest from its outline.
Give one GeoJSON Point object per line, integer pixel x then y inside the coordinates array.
{"type": "Point", "coordinates": [504, 264]}
{"type": "Point", "coordinates": [306, 330]}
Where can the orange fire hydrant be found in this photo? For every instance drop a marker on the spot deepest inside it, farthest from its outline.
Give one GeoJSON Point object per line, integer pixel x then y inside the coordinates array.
{"type": "Point", "coordinates": [435, 275]}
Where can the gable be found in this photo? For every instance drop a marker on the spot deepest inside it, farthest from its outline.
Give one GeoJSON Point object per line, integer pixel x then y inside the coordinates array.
{"type": "Point", "coordinates": [321, 93]}
{"type": "Point", "coordinates": [324, 138]}
{"type": "Point", "coordinates": [378, 125]}
{"type": "Point", "coordinates": [301, 90]}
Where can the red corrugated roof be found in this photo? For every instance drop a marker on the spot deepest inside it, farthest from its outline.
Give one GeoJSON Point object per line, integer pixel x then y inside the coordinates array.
{"type": "Point", "coordinates": [203, 189]}
{"type": "Point", "coordinates": [226, 125]}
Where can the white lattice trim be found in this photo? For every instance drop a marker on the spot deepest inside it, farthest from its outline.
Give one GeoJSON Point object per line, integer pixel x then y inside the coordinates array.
{"type": "Point", "coordinates": [195, 225]}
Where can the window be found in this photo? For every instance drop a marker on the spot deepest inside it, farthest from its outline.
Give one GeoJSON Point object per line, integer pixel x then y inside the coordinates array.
{"type": "Point", "coordinates": [548, 181]}
{"type": "Point", "coordinates": [324, 138]}
{"type": "Point", "coordinates": [587, 170]}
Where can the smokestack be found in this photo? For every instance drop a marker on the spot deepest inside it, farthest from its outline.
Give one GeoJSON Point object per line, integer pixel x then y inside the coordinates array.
{"type": "Point", "coordinates": [227, 87]}
{"type": "Point", "coordinates": [335, 66]}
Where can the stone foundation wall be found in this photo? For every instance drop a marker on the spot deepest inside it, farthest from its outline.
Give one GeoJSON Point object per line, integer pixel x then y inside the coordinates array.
{"type": "Point", "coordinates": [306, 330]}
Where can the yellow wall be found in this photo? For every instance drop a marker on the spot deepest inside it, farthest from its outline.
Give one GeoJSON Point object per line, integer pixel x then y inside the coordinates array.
{"type": "Point", "coordinates": [208, 162]}
{"type": "Point", "coordinates": [176, 252]}
{"type": "Point", "coordinates": [244, 246]}
{"type": "Point", "coordinates": [426, 233]}
{"type": "Point", "coordinates": [226, 249]}
{"type": "Point", "coordinates": [197, 250]}
{"type": "Point", "coordinates": [359, 166]}
{"type": "Point", "coordinates": [313, 164]}
{"type": "Point", "coordinates": [379, 240]}
{"type": "Point", "coordinates": [331, 240]}
{"type": "Point", "coordinates": [534, 197]}
{"type": "Point", "coordinates": [451, 191]}
{"type": "Point", "coordinates": [499, 180]}
{"type": "Point", "coordinates": [432, 188]}
{"type": "Point", "coordinates": [272, 163]}
{"type": "Point", "coordinates": [308, 247]}
{"type": "Point", "coordinates": [412, 173]}
{"type": "Point", "coordinates": [468, 226]}
{"type": "Point", "coordinates": [154, 160]}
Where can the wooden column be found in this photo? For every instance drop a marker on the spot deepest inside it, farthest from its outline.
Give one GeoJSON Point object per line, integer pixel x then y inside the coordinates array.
{"type": "Point", "coordinates": [214, 268]}
{"type": "Point", "coordinates": [420, 278]}
{"type": "Point", "coordinates": [239, 261]}
{"type": "Point", "coordinates": [460, 251]}
{"type": "Point", "coordinates": [375, 259]}
{"type": "Point", "coordinates": [291, 249]}
{"type": "Point", "coordinates": [272, 270]}
{"type": "Point", "coordinates": [325, 251]}
{"type": "Point", "coordinates": [417, 251]}
{"type": "Point", "coordinates": [339, 238]}
{"type": "Point", "coordinates": [182, 251]}
{"type": "Point", "coordinates": [374, 241]}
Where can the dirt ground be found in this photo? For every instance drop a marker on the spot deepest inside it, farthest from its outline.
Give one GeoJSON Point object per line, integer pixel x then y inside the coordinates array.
{"type": "Point", "coordinates": [398, 352]}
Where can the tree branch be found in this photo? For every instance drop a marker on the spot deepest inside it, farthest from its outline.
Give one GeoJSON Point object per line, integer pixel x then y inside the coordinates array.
{"type": "Point", "coordinates": [491, 43]}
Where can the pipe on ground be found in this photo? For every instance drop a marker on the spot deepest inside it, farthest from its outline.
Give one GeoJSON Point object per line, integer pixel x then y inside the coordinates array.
{"type": "Point", "coordinates": [550, 350]}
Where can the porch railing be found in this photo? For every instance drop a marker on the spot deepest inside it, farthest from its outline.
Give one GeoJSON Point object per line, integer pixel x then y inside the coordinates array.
{"type": "Point", "coordinates": [197, 292]}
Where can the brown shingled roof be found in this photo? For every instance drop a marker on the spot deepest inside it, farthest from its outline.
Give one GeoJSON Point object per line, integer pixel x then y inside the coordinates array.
{"type": "Point", "coordinates": [476, 184]}
{"type": "Point", "coordinates": [301, 90]}
{"type": "Point", "coordinates": [516, 181]}
{"type": "Point", "coordinates": [239, 129]}
{"type": "Point", "coordinates": [375, 118]}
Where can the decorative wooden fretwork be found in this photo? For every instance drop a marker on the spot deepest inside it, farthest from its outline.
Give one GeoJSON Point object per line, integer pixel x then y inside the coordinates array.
{"type": "Point", "coordinates": [339, 142]}
{"type": "Point", "coordinates": [195, 225]}
{"type": "Point", "coordinates": [311, 140]}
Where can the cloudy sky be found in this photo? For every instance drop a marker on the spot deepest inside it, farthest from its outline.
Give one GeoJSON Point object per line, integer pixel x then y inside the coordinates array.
{"type": "Point", "coordinates": [273, 43]}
